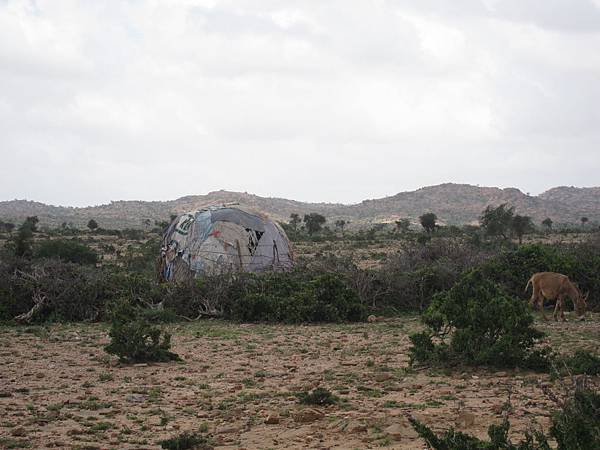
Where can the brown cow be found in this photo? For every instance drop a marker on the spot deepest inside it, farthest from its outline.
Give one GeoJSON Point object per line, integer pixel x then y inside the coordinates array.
{"type": "Point", "coordinates": [556, 286]}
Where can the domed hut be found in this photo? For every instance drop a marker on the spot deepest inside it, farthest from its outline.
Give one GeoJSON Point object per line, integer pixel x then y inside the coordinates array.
{"type": "Point", "coordinates": [221, 239]}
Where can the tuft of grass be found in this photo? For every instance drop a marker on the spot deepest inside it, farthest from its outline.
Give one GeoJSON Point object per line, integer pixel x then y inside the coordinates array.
{"type": "Point", "coordinates": [319, 397]}
{"type": "Point", "coordinates": [186, 441]}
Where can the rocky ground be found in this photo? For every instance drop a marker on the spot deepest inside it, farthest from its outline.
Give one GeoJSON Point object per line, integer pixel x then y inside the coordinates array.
{"type": "Point", "coordinates": [238, 384]}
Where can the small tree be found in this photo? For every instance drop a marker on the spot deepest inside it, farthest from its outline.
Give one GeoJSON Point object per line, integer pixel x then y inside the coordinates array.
{"type": "Point", "coordinates": [521, 225]}
{"type": "Point", "coordinates": [295, 221]}
{"type": "Point", "coordinates": [67, 250]}
{"type": "Point", "coordinates": [584, 220]}
{"type": "Point", "coordinates": [24, 239]}
{"type": "Point", "coordinates": [92, 225]}
{"type": "Point", "coordinates": [340, 224]}
{"type": "Point", "coordinates": [314, 222]}
{"type": "Point", "coordinates": [476, 323]}
{"type": "Point", "coordinates": [402, 225]}
{"type": "Point", "coordinates": [547, 222]}
{"type": "Point", "coordinates": [428, 222]}
{"type": "Point", "coordinates": [497, 221]}
{"type": "Point", "coordinates": [134, 339]}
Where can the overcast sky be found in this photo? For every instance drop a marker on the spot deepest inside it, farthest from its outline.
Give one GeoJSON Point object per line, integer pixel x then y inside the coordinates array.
{"type": "Point", "coordinates": [317, 100]}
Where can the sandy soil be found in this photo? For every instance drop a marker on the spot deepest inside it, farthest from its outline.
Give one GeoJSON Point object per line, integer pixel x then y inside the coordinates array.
{"type": "Point", "coordinates": [238, 383]}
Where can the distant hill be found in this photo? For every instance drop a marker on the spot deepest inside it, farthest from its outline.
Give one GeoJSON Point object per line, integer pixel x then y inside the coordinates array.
{"type": "Point", "coordinates": [453, 204]}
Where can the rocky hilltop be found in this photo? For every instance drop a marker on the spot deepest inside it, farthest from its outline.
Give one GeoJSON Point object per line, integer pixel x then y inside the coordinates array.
{"type": "Point", "coordinates": [453, 204]}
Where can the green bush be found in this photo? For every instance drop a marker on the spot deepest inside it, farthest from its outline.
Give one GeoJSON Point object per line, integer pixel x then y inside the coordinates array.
{"type": "Point", "coordinates": [134, 339]}
{"type": "Point", "coordinates": [66, 250]}
{"type": "Point", "coordinates": [581, 363]}
{"type": "Point", "coordinates": [498, 434]}
{"type": "Point", "coordinates": [476, 323]}
{"type": "Point", "coordinates": [294, 298]}
{"type": "Point", "coordinates": [187, 441]}
{"type": "Point", "coordinates": [319, 397]}
{"type": "Point", "coordinates": [575, 426]}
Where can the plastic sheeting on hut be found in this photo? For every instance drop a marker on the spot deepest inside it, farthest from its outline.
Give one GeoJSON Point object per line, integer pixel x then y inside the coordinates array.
{"type": "Point", "coordinates": [221, 239]}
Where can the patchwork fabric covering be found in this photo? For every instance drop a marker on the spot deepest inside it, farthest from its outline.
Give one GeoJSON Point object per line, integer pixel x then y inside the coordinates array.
{"type": "Point", "coordinates": [219, 239]}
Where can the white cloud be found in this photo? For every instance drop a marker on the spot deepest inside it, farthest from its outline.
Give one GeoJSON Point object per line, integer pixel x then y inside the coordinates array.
{"type": "Point", "coordinates": [322, 101]}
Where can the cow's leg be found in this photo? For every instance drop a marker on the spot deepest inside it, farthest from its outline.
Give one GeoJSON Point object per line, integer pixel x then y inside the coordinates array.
{"type": "Point", "coordinates": [541, 306]}
{"type": "Point", "coordinates": [556, 307]}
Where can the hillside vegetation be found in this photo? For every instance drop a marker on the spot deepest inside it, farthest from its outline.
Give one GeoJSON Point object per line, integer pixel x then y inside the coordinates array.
{"type": "Point", "coordinates": [454, 204]}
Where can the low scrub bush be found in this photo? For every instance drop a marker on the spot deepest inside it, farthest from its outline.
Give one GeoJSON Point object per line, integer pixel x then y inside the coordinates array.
{"type": "Point", "coordinates": [581, 363]}
{"type": "Point", "coordinates": [498, 439]}
{"type": "Point", "coordinates": [294, 298]}
{"type": "Point", "coordinates": [187, 441]}
{"type": "Point", "coordinates": [66, 250]}
{"type": "Point", "coordinates": [134, 339]}
{"type": "Point", "coordinates": [575, 426]}
{"type": "Point", "coordinates": [476, 323]}
{"type": "Point", "coordinates": [318, 397]}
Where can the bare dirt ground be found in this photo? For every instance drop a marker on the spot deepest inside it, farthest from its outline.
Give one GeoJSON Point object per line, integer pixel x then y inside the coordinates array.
{"type": "Point", "coordinates": [238, 383]}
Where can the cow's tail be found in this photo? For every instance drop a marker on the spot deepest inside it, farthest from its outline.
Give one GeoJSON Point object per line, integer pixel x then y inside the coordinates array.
{"type": "Point", "coordinates": [528, 283]}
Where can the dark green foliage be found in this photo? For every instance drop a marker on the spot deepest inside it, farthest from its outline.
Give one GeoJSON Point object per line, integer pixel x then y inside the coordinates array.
{"type": "Point", "coordinates": [577, 425]}
{"type": "Point", "coordinates": [521, 225]}
{"type": "Point", "coordinates": [66, 250]}
{"type": "Point", "coordinates": [318, 397]}
{"type": "Point", "coordinates": [497, 221]}
{"type": "Point", "coordinates": [23, 242]}
{"type": "Point", "coordinates": [498, 434]}
{"type": "Point", "coordinates": [187, 441]}
{"type": "Point", "coordinates": [134, 339]}
{"type": "Point", "coordinates": [294, 298]}
{"type": "Point", "coordinates": [476, 323]}
{"type": "Point", "coordinates": [581, 363]}
{"type": "Point", "coordinates": [92, 224]}
{"type": "Point", "coordinates": [428, 222]}
{"type": "Point", "coordinates": [313, 222]}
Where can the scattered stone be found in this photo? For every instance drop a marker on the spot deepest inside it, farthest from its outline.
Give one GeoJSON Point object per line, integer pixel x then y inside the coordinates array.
{"type": "Point", "coordinates": [19, 432]}
{"type": "Point", "coordinates": [272, 419]}
{"type": "Point", "coordinates": [465, 419]}
{"type": "Point", "coordinates": [307, 415]}
{"type": "Point", "coordinates": [228, 429]}
{"type": "Point", "coordinates": [401, 429]}
{"type": "Point", "coordinates": [135, 398]}
{"type": "Point", "coordinates": [354, 426]}
{"type": "Point", "coordinates": [383, 376]}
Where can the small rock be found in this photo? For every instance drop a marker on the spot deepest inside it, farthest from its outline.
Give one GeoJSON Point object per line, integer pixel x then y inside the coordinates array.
{"type": "Point", "coordinates": [383, 376]}
{"type": "Point", "coordinates": [400, 430]}
{"type": "Point", "coordinates": [19, 432]}
{"type": "Point", "coordinates": [307, 415]}
{"type": "Point", "coordinates": [228, 429]}
{"type": "Point", "coordinates": [272, 419]}
{"type": "Point", "coordinates": [354, 426]}
{"type": "Point", "coordinates": [465, 419]}
{"type": "Point", "coordinates": [135, 398]}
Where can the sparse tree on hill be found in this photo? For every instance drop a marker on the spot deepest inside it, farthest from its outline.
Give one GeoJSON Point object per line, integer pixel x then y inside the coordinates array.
{"type": "Point", "coordinates": [340, 224]}
{"type": "Point", "coordinates": [402, 225]}
{"type": "Point", "coordinates": [428, 222]}
{"type": "Point", "coordinates": [584, 220]}
{"type": "Point", "coordinates": [314, 222]}
{"type": "Point", "coordinates": [521, 225]}
{"type": "Point", "coordinates": [92, 225]}
{"type": "Point", "coordinates": [497, 221]}
{"type": "Point", "coordinates": [24, 238]}
{"type": "Point", "coordinates": [295, 221]}
{"type": "Point", "coordinates": [547, 222]}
